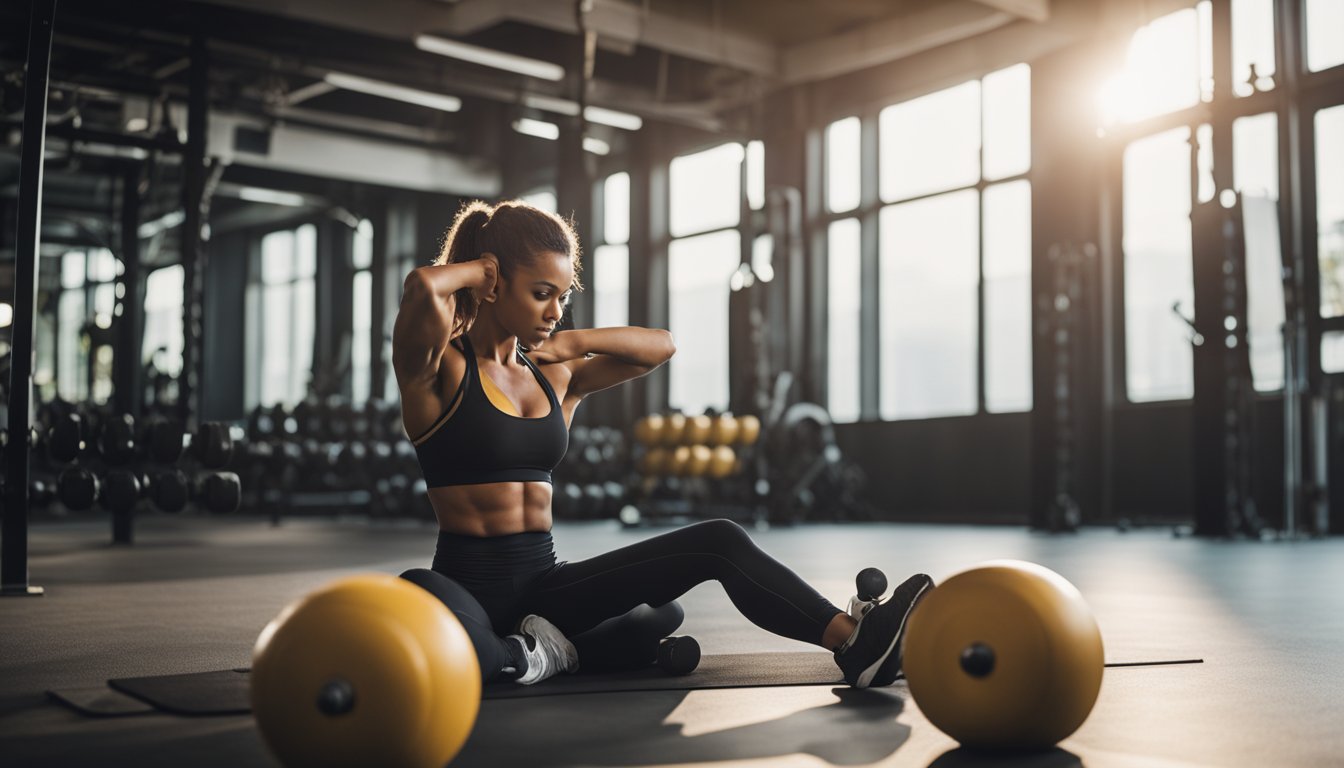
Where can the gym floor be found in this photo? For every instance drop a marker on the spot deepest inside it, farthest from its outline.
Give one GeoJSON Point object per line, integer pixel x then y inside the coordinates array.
{"type": "Point", "coordinates": [192, 594]}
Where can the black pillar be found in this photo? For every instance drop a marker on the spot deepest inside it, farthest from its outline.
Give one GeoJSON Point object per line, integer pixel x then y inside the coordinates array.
{"type": "Point", "coordinates": [14, 553]}
{"type": "Point", "coordinates": [193, 194]}
{"type": "Point", "coordinates": [126, 368]}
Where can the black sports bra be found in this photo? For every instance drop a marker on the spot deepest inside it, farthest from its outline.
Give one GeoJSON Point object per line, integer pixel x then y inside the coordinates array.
{"type": "Point", "coordinates": [474, 442]}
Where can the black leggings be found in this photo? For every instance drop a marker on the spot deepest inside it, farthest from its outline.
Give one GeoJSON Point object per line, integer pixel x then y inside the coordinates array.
{"type": "Point", "coordinates": [615, 607]}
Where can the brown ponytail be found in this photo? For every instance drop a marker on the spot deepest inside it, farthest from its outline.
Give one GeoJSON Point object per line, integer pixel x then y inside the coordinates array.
{"type": "Point", "coordinates": [516, 232]}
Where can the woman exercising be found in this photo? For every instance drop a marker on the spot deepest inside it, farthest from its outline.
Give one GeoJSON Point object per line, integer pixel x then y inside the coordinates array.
{"type": "Point", "coordinates": [488, 390]}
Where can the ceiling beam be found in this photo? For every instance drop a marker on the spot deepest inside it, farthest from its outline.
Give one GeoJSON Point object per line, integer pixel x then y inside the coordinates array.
{"type": "Point", "coordinates": [889, 39]}
{"type": "Point", "coordinates": [1031, 10]}
{"type": "Point", "coordinates": [628, 24]}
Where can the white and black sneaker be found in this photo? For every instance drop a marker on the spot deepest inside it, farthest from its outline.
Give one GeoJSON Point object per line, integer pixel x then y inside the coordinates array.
{"type": "Point", "coordinates": [547, 650]}
{"type": "Point", "coordinates": [872, 655]}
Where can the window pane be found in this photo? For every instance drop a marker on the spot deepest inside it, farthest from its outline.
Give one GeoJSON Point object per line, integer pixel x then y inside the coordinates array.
{"type": "Point", "coordinates": [362, 257]}
{"type": "Point", "coordinates": [275, 343]}
{"type": "Point", "coordinates": [1332, 351]}
{"type": "Point", "coordinates": [1163, 70]}
{"type": "Point", "coordinates": [72, 270]}
{"type": "Point", "coordinates": [616, 208]}
{"type": "Point", "coordinates": [301, 356]}
{"type": "Point", "coordinates": [763, 257]}
{"type": "Point", "coordinates": [1330, 208]}
{"type": "Point", "coordinates": [1007, 105]}
{"type": "Point", "coordinates": [844, 296]}
{"type": "Point", "coordinates": [163, 319]}
{"type": "Point", "coordinates": [929, 275]}
{"type": "Point", "coordinates": [1255, 155]}
{"type": "Point", "coordinates": [697, 279]}
{"type": "Point", "coordinates": [931, 143]}
{"type": "Point", "coordinates": [611, 299]}
{"type": "Point", "coordinates": [1264, 291]}
{"type": "Point", "coordinates": [756, 174]}
{"type": "Point", "coordinates": [102, 266]}
{"type": "Point", "coordinates": [361, 336]}
{"type": "Point", "coordinates": [544, 199]}
{"type": "Point", "coordinates": [1157, 266]}
{"type": "Point", "coordinates": [706, 190]}
{"type": "Point", "coordinates": [277, 257]}
{"type": "Point", "coordinates": [1252, 45]}
{"type": "Point", "coordinates": [305, 255]}
{"type": "Point", "coordinates": [104, 302]}
{"type": "Point", "coordinates": [1008, 297]}
{"type": "Point", "coordinates": [72, 362]}
{"type": "Point", "coordinates": [842, 164]}
{"type": "Point", "coordinates": [1204, 161]}
{"type": "Point", "coordinates": [1325, 46]}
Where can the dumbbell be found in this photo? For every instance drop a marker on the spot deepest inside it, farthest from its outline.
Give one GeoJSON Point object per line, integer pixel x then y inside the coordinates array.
{"type": "Point", "coordinates": [218, 492]}
{"type": "Point", "coordinates": [168, 490]}
{"type": "Point", "coordinates": [162, 440]}
{"type": "Point", "coordinates": [116, 439]}
{"type": "Point", "coordinates": [678, 655]}
{"type": "Point", "coordinates": [869, 586]}
{"type": "Point", "coordinates": [77, 488]}
{"type": "Point", "coordinates": [65, 437]}
{"type": "Point", "coordinates": [212, 445]}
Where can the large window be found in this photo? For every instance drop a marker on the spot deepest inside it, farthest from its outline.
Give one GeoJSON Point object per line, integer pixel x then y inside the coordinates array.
{"type": "Point", "coordinates": [698, 272]}
{"type": "Point", "coordinates": [844, 289]}
{"type": "Point", "coordinates": [929, 253]}
{"type": "Point", "coordinates": [611, 259]}
{"type": "Point", "coordinates": [1330, 208]}
{"type": "Point", "coordinates": [361, 312]}
{"type": "Point", "coordinates": [164, 299]}
{"type": "Point", "coordinates": [281, 313]}
{"type": "Point", "coordinates": [1325, 46]}
{"type": "Point", "coordinates": [1169, 66]}
{"type": "Point", "coordinates": [88, 298]}
{"type": "Point", "coordinates": [954, 250]}
{"type": "Point", "coordinates": [1255, 164]}
{"type": "Point", "coordinates": [1158, 278]}
{"type": "Point", "coordinates": [706, 199]}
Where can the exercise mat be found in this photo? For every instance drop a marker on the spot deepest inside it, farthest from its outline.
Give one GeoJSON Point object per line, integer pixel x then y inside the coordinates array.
{"type": "Point", "coordinates": [100, 701]}
{"type": "Point", "coordinates": [225, 692]}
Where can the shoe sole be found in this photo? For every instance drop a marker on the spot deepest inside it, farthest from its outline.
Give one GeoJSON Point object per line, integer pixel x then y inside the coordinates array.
{"type": "Point", "coordinates": [866, 676]}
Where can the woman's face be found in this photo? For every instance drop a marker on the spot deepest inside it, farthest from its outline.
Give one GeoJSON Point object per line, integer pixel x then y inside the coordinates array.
{"type": "Point", "coordinates": [533, 299]}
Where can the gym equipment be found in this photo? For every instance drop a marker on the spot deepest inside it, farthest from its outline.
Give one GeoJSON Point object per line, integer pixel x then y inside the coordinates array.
{"type": "Point", "coordinates": [116, 439]}
{"type": "Point", "coordinates": [725, 430]}
{"type": "Point", "coordinates": [674, 425]}
{"type": "Point", "coordinates": [1006, 655]}
{"type": "Point", "coordinates": [749, 429]}
{"type": "Point", "coordinates": [678, 655]}
{"type": "Point", "coordinates": [77, 488]}
{"type": "Point", "coordinates": [697, 430]}
{"type": "Point", "coordinates": [722, 462]}
{"type": "Point", "coordinates": [368, 670]}
{"type": "Point", "coordinates": [649, 430]}
{"type": "Point", "coordinates": [212, 445]}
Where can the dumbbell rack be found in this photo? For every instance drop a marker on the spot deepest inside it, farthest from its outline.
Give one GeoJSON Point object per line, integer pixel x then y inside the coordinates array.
{"type": "Point", "coordinates": [99, 457]}
{"type": "Point", "coordinates": [673, 488]}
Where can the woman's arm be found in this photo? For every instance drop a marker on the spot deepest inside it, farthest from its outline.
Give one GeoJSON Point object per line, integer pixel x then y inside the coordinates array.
{"type": "Point", "coordinates": [428, 307]}
{"type": "Point", "coordinates": [599, 358]}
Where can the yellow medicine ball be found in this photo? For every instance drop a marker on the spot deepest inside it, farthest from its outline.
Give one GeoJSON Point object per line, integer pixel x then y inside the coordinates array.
{"type": "Point", "coordinates": [748, 429]}
{"type": "Point", "coordinates": [699, 461]}
{"type": "Point", "coordinates": [674, 425]}
{"type": "Point", "coordinates": [649, 430]}
{"type": "Point", "coordinates": [369, 670]}
{"type": "Point", "coordinates": [1006, 655]}
{"type": "Point", "coordinates": [697, 430]}
{"type": "Point", "coordinates": [724, 431]}
{"type": "Point", "coordinates": [723, 462]}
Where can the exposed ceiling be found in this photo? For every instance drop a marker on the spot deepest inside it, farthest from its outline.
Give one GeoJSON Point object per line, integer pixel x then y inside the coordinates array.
{"type": "Point", "coordinates": [120, 80]}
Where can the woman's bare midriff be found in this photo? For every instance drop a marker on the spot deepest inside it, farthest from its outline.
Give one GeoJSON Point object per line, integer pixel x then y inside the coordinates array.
{"type": "Point", "coordinates": [493, 509]}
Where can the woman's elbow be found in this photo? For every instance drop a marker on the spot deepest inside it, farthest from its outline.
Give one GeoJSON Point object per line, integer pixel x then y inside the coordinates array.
{"type": "Point", "coordinates": [669, 345]}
